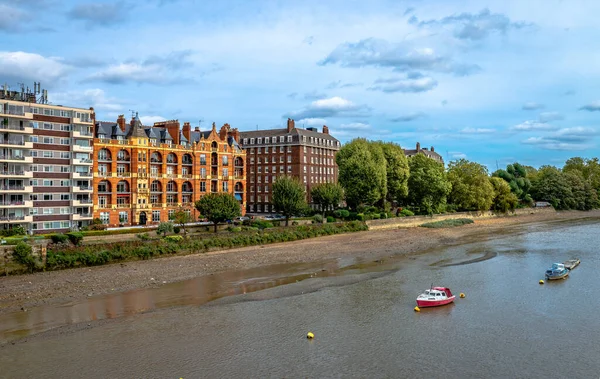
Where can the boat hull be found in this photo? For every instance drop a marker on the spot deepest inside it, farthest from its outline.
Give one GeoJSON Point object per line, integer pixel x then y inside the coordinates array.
{"type": "Point", "coordinates": [571, 264]}
{"type": "Point", "coordinates": [434, 303]}
{"type": "Point", "coordinates": [556, 277]}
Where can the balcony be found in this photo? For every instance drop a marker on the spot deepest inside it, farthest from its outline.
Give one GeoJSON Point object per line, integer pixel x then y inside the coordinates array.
{"type": "Point", "coordinates": [85, 161]}
{"type": "Point", "coordinates": [15, 158]}
{"type": "Point", "coordinates": [16, 174]}
{"type": "Point", "coordinates": [16, 189]}
{"type": "Point", "coordinates": [238, 177]}
{"type": "Point", "coordinates": [76, 120]}
{"type": "Point", "coordinates": [79, 175]}
{"type": "Point", "coordinates": [81, 202]}
{"type": "Point", "coordinates": [170, 176]}
{"type": "Point", "coordinates": [82, 216]}
{"type": "Point", "coordinates": [171, 204]}
{"type": "Point", "coordinates": [203, 162]}
{"type": "Point", "coordinates": [82, 189]}
{"type": "Point", "coordinates": [15, 219]}
{"type": "Point", "coordinates": [103, 174]}
{"type": "Point", "coordinates": [156, 205]}
{"type": "Point", "coordinates": [171, 163]}
{"type": "Point", "coordinates": [16, 204]}
{"type": "Point", "coordinates": [81, 148]}
{"type": "Point", "coordinates": [143, 190]}
{"type": "Point", "coordinates": [187, 176]}
{"type": "Point", "coordinates": [82, 134]}
{"type": "Point", "coordinates": [123, 174]}
{"type": "Point", "coordinates": [15, 128]}
{"type": "Point", "coordinates": [123, 205]}
{"type": "Point", "coordinates": [23, 115]}
{"type": "Point", "coordinates": [142, 206]}
{"type": "Point", "coordinates": [15, 143]}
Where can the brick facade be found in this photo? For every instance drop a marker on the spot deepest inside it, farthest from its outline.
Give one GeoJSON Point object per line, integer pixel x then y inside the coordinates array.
{"type": "Point", "coordinates": [144, 174]}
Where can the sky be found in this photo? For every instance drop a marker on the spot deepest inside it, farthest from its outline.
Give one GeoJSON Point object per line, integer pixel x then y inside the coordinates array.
{"type": "Point", "coordinates": [490, 81]}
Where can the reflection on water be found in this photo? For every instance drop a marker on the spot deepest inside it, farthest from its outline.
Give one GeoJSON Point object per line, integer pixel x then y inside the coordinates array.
{"type": "Point", "coordinates": [508, 325]}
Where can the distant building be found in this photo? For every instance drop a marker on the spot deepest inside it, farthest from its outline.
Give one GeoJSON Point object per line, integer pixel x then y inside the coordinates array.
{"type": "Point", "coordinates": [144, 174]}
{"type": "Point", "coordinates": [430, 153]}
{"type": "Point", "coordinates": [45, 163]}
{"type": "Point", "coordinates": [305, 154]}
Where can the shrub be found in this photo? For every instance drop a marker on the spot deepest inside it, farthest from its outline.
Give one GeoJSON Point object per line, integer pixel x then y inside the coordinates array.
{"type": "Point", "coordinates": [143, 236]}
{"type": "Point", "coordinates": [173, 238]}
{"type": "Point", "coordinates": [261, 224]}
{"type": "Point", "coordinates": [22, 254]}
{"type": "Point", "coordinates": [294, 223]}
{"type": "Point", "coordinates": [448, 223]}
{"type": "Point", "coordinates": [330, 219]}
{"type": "Point", "coordinates": [75, 238]}
{"type": "Point", "coordinates": [176, 229]}
{"type": "Point", "coordinates": [406, 213]}
{"type": "Point", "coordinates": [383, 215]}
{"type": "Point", "coordinates": [234, 229]}
{"type": "Point", "coordinates": [59, 238]}
{"type": "Point", "coordinates": [15, 231]}
{"type": "Point", "coordinates": [375, 216]}
{"type": "Point", "coordinates": [318, 218]}
{"type": "Point", "coordinates": [345, 213]}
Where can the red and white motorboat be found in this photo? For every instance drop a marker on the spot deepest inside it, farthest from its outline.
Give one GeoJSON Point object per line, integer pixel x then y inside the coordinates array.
{"type": "Point", "coordinates": [434, 297]}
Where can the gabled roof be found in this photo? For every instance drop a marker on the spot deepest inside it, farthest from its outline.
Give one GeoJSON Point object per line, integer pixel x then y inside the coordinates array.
{"type": "Point", "coordinates": [151, 133]}
{"type": "Point", "coordinates": [165, 136]}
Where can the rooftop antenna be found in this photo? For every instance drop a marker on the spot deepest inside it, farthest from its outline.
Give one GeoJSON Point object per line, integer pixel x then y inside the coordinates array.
{"type": "Point", "coordinates": [497, 168]}
{"type": "Point", "coordinates": [200, 122]}
{"type": "Point", "coordinates": [132, 113]}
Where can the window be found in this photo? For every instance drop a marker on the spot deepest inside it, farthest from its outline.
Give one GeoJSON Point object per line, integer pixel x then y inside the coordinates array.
{"type": "Point", "coordinates": [259, 141]}
{"type": "Point", "coordinates": [251, 141]}
{"type": "Point", "coordinates": [267, 140]}
{"type": "Point", "coordinates": [289, 159]}
{"type": "Point", "coordinates": [225, 186]}
{"type": "Point", "coordinates": [202, 186]}
{"type": "Point", "coordinates": [171, 213]}
{"type": "Point", "coordinates": [225, 160]}
{"type": "Point", "coordinates": [289, 138]}
{"type": "Point", "coordinates": [123, 217]}
{"type": "Point", "coordinates": [155, 216]}
{"type": "Point", "coordinates": [203, 159]}
{"type": "Point", "coordinates": [281, 148]}
{"type": "Point", "coordinates": [259, 151]}
{"type": "Point", "coordinates": [245, 141]}
{"type": "Point", "coordinates": [105, 217]}
{"type": "Point", "coordinates": [203, 172]}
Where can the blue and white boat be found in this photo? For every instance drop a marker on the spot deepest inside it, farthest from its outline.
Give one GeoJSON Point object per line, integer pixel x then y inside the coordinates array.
{"type": "Point", "coordinates": [557, 271]}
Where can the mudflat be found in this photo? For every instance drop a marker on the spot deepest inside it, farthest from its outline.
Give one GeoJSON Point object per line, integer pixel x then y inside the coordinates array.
{"type": "Point", "coordinates": [26, 291]}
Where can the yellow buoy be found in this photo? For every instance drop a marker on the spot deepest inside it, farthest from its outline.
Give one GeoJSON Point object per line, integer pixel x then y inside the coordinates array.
{"type": "Point", "coordinates": [462, 295]}
{"type": "Point", "coordinates": [541, 281]}
{"type": "Point", "coordinates": [417, 309]}
{"type": "Point", "coordinates": [310, 335]}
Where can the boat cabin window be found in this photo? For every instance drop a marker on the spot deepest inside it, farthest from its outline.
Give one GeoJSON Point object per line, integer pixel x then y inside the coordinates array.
{"type": "Point", "coordinates": [443, 293]}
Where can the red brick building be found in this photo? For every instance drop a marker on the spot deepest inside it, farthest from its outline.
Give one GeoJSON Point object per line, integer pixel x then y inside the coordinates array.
{"type": "Point", "coordinates": [143, 174]}
{"type": "Point", "coordinates": [305, 154]}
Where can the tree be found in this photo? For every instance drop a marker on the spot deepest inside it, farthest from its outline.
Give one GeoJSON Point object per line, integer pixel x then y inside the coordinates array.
{"type": "Point", "coordinates": [164, 228]}
{"type": "Point", "coordinates": [289, 197]}
{"type": "Point", "coordinates": [517, 177]}
{"type": "Point", "coordinates": [181, 218]}
{"type": "Point", "coordinates": [397, 171]}
{"type": "Point", "coordinates": [428, 186]}
{"type": "Point", "coordinates": [584, 196]}
{"type": "Point", "coordinates": [551, 185]}
{"type": "Point", "coordinates": [362, 172]}
{"type": "Point", "coordinates": [327, 195]}
{"type": "Point", "coordinates": [471, 187]}
{"type": "Point", "coordinates": [218, 207]}
{"type": "Point", "coordinates": [504, 199]}
{"type": "Point", "coordinates": [588, 168]}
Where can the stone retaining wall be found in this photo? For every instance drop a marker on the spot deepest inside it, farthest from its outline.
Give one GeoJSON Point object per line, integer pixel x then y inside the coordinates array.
{"type": "Point", "coordinates": [413, 221]}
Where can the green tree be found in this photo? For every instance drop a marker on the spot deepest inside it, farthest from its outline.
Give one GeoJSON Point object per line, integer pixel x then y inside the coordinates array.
{"type": "Point", "coordinates": [428, 186]}
{"type": "Point", "coordinates": [397, 171]}
{"type": "Point", "coordinates": [471, 187]}
{"type": "Point", "coordinates": [551, 185]}
{"type": "Point", "coordinates": [181, 217]}
{"type": "Point", "coordinates": [327, 195]}
{"type": "Point", "coordinates": [584, 196]}
{"type": "Point", "coordinates": [504, 199]}
{"type": "Point", "coordinates": [164, 228]}
{"type": "Point", "coordinates": [218, 207]}
{"type": "Point", "coordinates": [517, 177]}
{"type": "Point", "coordinates": [588, 168]}
{"type": "Point", "coordinates": [362, 172]}
{"type": "Point", "coordinates": [289, 197]}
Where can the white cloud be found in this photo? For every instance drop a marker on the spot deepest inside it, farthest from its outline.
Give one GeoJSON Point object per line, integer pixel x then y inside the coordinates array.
{"type": "Point", "coordinates": [93, 97]}
{"type": "Point", "coordinates": [594, 106]}
{"type": "Point", "coordinates": [532, 106]}
{"type": "Point", "coordinates": [311, 122]}
{"type": "Point", "coordinates": [532, 126]}
{"type": "Point", "coordinates": [355, 126]}
{"type": "Point", "coordinates": [477, 131]}
{"type": "Point", "coordinates": [550, 116]}
{"type": "Point", "coordinates": [21, 66]}
{"type": "Point", "coordinates": [150, 120]}
{"type": "Point", "coordinates": [568, 139]}
{"type": "Point", "coordinates": [332, 107]}
{"type": "Point", "coordinates": [457, 155]}
{"type": "Point", "coordinates": [406, 85]}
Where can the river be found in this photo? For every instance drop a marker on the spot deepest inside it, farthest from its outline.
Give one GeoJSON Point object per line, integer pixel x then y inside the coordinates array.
{"type": "Point", "coordinates": [253, 324]}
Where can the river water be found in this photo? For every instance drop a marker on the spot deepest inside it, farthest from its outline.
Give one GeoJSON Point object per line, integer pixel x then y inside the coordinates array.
{"type": "Point", "coordinates": [253, 324]}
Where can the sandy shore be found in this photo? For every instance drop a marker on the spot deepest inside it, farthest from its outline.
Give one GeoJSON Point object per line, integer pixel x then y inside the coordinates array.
{"type": "Point", "coordinates": [28, 291]}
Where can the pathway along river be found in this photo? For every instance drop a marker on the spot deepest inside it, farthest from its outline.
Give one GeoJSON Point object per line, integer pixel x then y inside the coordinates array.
{"type": "Point", "coordinates": [361, 313]}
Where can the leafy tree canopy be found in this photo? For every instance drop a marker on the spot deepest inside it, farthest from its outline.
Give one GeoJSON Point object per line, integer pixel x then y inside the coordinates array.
{"type": "Point", "coordinates": [517, 177]}
{"type": "Point", "coordinates": [327, 195]}
{"type": "Point", "coordinates": [397, 171]}
{"type": "Point", "coordinates": [218, 207]}
{"type": "Point", "coordinates": [428, 186]}
{"type": "Point", "coordinates": [289, 197]}
{"type": "Point", "coordinates": [504, 199]}
{"type": "Point", "coordinates": [471, 188]}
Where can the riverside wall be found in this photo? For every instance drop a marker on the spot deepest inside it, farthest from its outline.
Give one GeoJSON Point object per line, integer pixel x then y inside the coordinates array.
{"type": "Point", "coordinates": [413, 221]}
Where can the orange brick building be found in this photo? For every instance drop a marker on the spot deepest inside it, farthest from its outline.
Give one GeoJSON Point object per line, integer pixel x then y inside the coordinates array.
{"type": "Point", "coordinates": [143, 174]}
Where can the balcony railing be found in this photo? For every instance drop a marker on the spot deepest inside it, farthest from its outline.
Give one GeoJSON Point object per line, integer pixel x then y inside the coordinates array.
{"type": "Point", "coordinates": [11, 127]}
{"type": "Point", "coordinates": [85, 188]}
{"type": "Point", "coordinates": [84, 201]}
{"type": "Point", "coordinates": [12, 218]}
{"type": "Point", "coordinates": [15, 173]}
{"type": "Point", "coordinates": [122, 159]}
{"type": "Point", "coordinates": [156, 205]}
{"type": "Point", "coordinates": [171, 203]}
{"type": "Point", "coordinates": [21, 202]}
{"type": "Point", "coordinates": [104, 173]}
{"type": "Point", "coordinates": [123, 174]}
{"type": "Point", "coordinates": [171, 162]}
{"type": "Point", "coordinates": [123, 205]}
{"type": "Point", "coordinates": [12, 142]}
{"type": "Point", "coordinates": [154, 160]}
{"type": "Point", "coordinates": [12, 157]}
{"type": "Point", "coordinates": [187, 163]}
{"type": "Point", "coordinates": [12, 188]}
{"type": "Point", "coordinates": [85, 174]}
{"type": "Point", "coordinates": [187, 176]}
{"type": "Point", "coordinates": [203, 162]}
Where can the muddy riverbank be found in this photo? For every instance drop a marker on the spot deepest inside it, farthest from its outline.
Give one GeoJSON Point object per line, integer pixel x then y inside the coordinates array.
{"type": "Point", "coordinates": [26, 291]}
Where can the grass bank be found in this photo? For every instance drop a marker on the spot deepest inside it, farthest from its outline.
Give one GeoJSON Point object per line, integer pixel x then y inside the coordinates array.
{"type": "Point", "coordinates": [62, 256]}
{"type": "Point", "coordinates": [447, 223]}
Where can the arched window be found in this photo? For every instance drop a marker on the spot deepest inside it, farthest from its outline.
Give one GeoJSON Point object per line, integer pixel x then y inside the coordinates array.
{"type": "Point", "coordinates": [214, 145]}
{"type": "Point", "coordinates": [156, 157]}
{"type": "Point", "coordinates": [172, 158]}
{"type": "Point", "coordinates": [155, 186]}
{"type": "Point", "coordinates": [187, 187]}
{"type": "Point", "coordinates": [171, 186]}
{"type": "Point", "coordinates": [123, 186]}
{"type": "Point", "coordinates": [123, 155]}
{"type": "Point", "coordinates": [104, 186]}
{"type": "Point", "coordinates": [239, 162]}
{"type": "Point", "coordinates": [239, 187]}
{"type": "Point", "coordinates": [104, 155]}
{"type": "Point", "coordinates": [187, 159]}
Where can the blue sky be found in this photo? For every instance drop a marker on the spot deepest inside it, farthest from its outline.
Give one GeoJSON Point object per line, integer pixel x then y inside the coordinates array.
{"type": "Point", "coordinates": [495, 81]}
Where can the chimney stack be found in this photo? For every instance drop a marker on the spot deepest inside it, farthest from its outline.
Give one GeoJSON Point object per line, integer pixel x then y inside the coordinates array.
{"type": "Point", "coordinates": [121, 122]}
{"type": "Point", "coordinates": [290, 125]}
{"type": "Point", "coordinates": [187, 128]}
{"type": "Point", "coordinates": [325, 129]}
{"type": "Point", "coordinates": [432, 150]}
{"type": "Point", "coordinates": [418, 147]}
{"type": "Point", "coordinates": [197, 129]}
